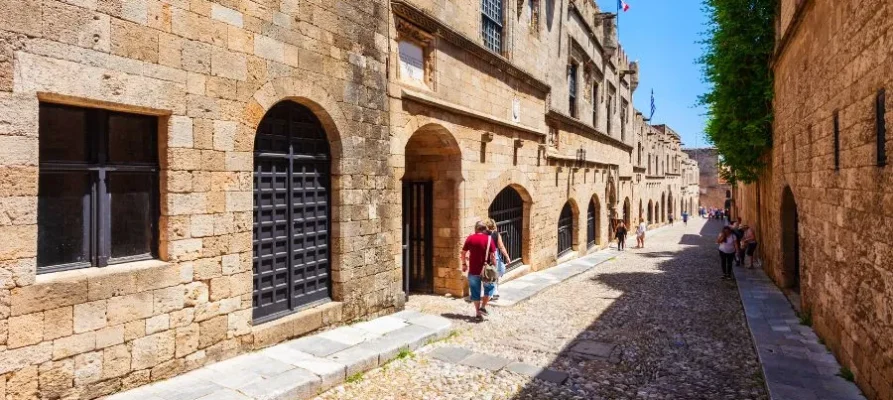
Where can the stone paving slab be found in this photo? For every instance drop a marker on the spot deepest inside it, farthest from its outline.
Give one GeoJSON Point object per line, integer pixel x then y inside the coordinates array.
{"type": "Point", "coordinates": [484, 361]}
{"type": "Point", "coordinates": [300, 368]}
{"type": "Point", "coordinates": [794, 364]}
{"type": "Point", "coordinates": [543, 374]}
{"type": "Point", "coordinates": [525, 287]}
{"type": "Point", "coordinates": [462, 356]}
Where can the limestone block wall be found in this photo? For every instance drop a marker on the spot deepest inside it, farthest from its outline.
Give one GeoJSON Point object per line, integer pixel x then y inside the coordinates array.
{"type": "Point", "coordinates": [845, 274]}
{"type": "Point", "coordinates": [208, 70]}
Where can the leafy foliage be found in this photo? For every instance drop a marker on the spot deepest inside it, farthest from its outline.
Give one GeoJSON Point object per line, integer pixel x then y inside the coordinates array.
{"type": "Point", "coordinates": [736, 62]}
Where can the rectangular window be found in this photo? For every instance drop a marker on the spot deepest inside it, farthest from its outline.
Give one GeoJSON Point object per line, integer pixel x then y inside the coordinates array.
{"type": "Point", "coordinates": [595, 104]}
{"type": "Point", "coordinates": [572, 89]}
{"type": "Point", "coordinates": [609, 115]}
{"type": "Point", "coordinates": [836, 141]}
{"type": "Point", "coordinates": [491, 26]}
{"type": "Point", "coordinates": [880, 123]}
{"type": "Point", "coordinates": [98, 188]}
{"type": "Point", "coordinates": [412, 62]}
{"type": "Point", "coordinates": [534, 11]}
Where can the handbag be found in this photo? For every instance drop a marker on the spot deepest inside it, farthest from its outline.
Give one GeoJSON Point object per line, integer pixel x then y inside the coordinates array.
{"type": "Point", "coordinates": [489, 273]}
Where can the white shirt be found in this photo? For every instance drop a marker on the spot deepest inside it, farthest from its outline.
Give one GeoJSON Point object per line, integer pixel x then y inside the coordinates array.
{"type": "Point", "coordinates": [728, 246]}
{"type": "Point", "coordinates": [641, 229]}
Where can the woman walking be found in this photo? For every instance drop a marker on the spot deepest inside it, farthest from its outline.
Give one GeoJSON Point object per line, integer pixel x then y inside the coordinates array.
{"type": "Point", "coordinates": [621, 236]}
{"type": "Point", "coordinates": [640, 234]}
{"type": "Point", "coordinates": [728, 246]}
{"type": "Point", "coordinates": [502, 256]}
{"type": "Point", "coordinates": [749, 243]}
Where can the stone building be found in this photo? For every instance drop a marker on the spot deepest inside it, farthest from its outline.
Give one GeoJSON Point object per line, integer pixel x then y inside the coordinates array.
{"type": "Point", "coordinates": [715, 191]}
{"type": "Point", "coordinates": [823, 205]}
{"type": "Point", "coordinates": [184, 181]}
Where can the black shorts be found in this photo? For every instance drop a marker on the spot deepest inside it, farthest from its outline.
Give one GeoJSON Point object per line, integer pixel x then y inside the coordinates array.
{"type": "Point", "coordinates": [751, 248]}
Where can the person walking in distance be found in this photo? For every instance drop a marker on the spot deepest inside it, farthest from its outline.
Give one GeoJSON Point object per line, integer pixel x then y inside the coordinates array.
{"type": "Point", "coordinates": [502, 256]}
{"type": "Point", "coordinates": [685, 218]}
{"type": "Point", "coordinates": [478, 248]}
{"type": "Point", "coordinates": [640, 234]}
{"type": "Point", "coordinates": [621, 236]}
{"type": "Point", "coordinates": [728, 246]}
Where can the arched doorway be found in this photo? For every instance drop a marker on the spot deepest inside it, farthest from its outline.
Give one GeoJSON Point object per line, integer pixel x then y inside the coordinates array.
{"type": "Point", "coordinates": [641, 211]}
{"type": "Point", "coordinates": [663, 207]}
{"type": "Point", "coordinates": [593, 225]}
{"type": "Point", "coordinates": [627, 213]}
{"type": "Point", "coordinates": [790, 240]}
{"type": "Point", "coordinates": [433, 171]}
{"type": "Point", "coordinates": [291, 262]}
{"type": "Point", "coordinates": [507, 209]}
{"type": "Point", "coordinates": [565, 229]}
{"type": "Point", "coordinates": [650, 212]}
{"type": "Point", "coordinates": [670, 205]}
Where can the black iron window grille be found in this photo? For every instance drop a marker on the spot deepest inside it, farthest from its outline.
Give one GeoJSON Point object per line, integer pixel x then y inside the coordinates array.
{"type": "Point", "coordinates": [97, 189]}
{"type": "Point", "coordinates": [507, 209]}
{"type": "Point", "coordinates": [565, 230]}
{"type": "Point", "coordinates": [572, 89]}
{"type": "Point", "coordinates": [591, 222]}
{"type": "Point", "coordinates": [491, 24]}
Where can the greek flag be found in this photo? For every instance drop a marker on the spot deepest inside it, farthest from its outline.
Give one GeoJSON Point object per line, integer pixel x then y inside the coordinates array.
{"type": "Point", "coordinates": [652, 105]}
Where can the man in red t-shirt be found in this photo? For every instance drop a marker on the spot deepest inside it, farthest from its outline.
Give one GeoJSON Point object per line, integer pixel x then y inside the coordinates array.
{"type": "Point", "coordinates": [474, 253]}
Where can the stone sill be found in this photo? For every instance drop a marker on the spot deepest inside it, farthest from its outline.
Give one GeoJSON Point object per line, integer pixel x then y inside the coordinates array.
{"type": "Point", "coordinates": [76, 275]}
{"type": "Point", "coordinates": [515, 273]}
{"type": "Point", "coordinates": [567, 257]}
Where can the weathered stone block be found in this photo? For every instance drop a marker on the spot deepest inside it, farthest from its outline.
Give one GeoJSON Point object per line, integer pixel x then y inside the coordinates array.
{"type": "Point", "coordinates": [229, 64]}
{"type": "Point", "coordinates": [110, 336]}
{"type": "Point", "coordinates": [239, 161]}
{"type": "Point", "coordinates": [129, 308]}
{"type": "Point", "coordinates": [40, 297]}
{"type": "Point", "coordinates": [22, 16]}
{"type": "Point", "coordinates": [88, 368]}
{"type": "Point", "coordinates": [225, 134]}
{"type": "Point", "coordinates": [180, 132]}
{"type": "Point", "coordinates": [115, 361]}
{"type": "Point", "coordinates": [158, 323]}
{"type": "Point", "coordinates": [202, 225]}
{"type": "Point", "coordinates": [73, 345]}
{"type": "Point", "coordinates": [25, 330]}
{"type": "Point", "coordinates": [134, 41]}
{"type": "Point", "coordinates": [152, 350]}
{"type": "Point", "coordinates": [187, 340]}
{"type": "Point", "coordinates": [169, 299]}
{"type": "Point", "coordinates": [54, 379]}
{"type": "Point", "coordinates": [61, 322]}
{"type": "Point", "coordinates": [212, 331]}
{"type": "Point", "coordinates": [89, 316]}
{"type": "Point", "coordinates": [182, 317]}
{"type": "Point", "coordinates": [18, 150]}
{"type": "Point", "coordinates": [226, 15]}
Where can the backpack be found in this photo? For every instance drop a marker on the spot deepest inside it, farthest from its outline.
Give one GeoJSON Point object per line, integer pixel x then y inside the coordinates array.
{"type": "Point", "coordinates": [489, 273]}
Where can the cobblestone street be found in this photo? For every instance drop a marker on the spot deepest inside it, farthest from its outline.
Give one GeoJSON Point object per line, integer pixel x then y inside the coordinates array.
{"type": "Point", "coordinates": [669, 326]}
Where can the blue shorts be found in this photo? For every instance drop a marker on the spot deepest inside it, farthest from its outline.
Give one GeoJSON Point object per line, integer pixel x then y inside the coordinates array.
{"type": "Point", "coordinates": [474, 285]}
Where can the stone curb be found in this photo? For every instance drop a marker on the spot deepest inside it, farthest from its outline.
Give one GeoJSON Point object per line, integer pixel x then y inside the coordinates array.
{"type": "Point", "coordinates": [301, 368]}
{"type": "Point", "coordinates": [793, 363]}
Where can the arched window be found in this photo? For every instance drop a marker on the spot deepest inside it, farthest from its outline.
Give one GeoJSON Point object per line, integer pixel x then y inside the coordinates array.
{"type": "Point", "coordinates": [565, 230]}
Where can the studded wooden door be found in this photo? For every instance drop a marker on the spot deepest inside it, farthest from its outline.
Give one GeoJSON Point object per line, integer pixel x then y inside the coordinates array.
{"type": "Point", "coordinates": [291, 212]}
{"type": "Point", "coordinates": [418, 237]}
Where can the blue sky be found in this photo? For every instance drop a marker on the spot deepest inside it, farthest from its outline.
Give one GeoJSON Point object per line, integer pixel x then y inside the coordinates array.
{"type": "Point", "coordinates": [662, 35]}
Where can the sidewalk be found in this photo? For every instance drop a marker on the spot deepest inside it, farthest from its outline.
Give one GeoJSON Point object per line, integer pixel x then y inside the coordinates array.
{"type": "Point", "coordinates": [796, 366]}
{"type": "Point", "coordinates": [301, 368]}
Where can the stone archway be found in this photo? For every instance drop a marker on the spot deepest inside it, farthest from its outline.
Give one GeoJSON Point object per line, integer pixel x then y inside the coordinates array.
{"type": "Point", "coordinates": [663, 208]}
{"type": "Point", "coordinates": [593, 222]}
{"type": "Point", "coordinates": [430, 229]}
{"type": "Point", "coordinates": [650, 212]}
{"type": "Point", "coordinates": [510, 209]}
{"type": "Point", "coordinates": [790, 240]}
{"type": "Point", "coordinates": [627, 212]}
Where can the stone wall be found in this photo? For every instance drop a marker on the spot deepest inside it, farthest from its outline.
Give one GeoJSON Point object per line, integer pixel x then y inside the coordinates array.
{"type": "Point", "coordinates": [835, 61]}
{"type": "Point", "coordinates": [208, 70]}
{"type": "Point", "coordinates": [714, 189]}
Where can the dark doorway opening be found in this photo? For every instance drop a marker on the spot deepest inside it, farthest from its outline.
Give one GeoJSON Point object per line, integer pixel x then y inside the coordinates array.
{"type": "Point", "coordinates": [418, 232]}
{"type": "Point", "coordinates": [790, 238]}
{"type": "Point", "coordinates": [507, 209]}
{"type": "Point", "coordinates": [565, 230]}
{"type": "Point", "coordinates": [291, 260]}
{"type": "Point", "coordinates": [592, 232]}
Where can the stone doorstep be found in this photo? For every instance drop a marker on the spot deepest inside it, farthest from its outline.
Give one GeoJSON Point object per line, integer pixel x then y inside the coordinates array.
{"type": "Point", "coordinates": [462, 356]}
{"type": "Point", "coordinates": [300, 368]}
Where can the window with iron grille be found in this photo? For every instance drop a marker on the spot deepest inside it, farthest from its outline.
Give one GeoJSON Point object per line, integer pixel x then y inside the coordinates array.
{"type": "Point", "coordinates": [97, 201]}
{"type": "Point", "coordinates": [880, 124]}
{"type": "Point", "coordinates": [572, 88]}
{"type": "Point", "coordinates": [534, 11]}
{"type": "Point", "coordinates": [491, 26]}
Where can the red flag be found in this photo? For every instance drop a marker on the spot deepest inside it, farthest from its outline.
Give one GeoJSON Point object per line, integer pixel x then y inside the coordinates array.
{"type": "Point", "coordinates": [624, 6]}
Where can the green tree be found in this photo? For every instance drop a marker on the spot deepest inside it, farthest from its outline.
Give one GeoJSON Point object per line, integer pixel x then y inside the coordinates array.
{"type": "Point", "coordinates": [736, 63]}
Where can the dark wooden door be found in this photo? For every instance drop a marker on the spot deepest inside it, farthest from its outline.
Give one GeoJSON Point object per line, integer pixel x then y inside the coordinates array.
{"type": "Point", "coordinates": [591, 221]}
{"type": "Point", "coordinates": [418, 237]}
{"type": "Point", "coordinates": [291, 212]}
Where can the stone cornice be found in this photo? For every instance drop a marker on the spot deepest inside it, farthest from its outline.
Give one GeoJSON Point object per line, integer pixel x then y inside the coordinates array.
{"type": "Point", "coordinates": [589, 129]}
{"type": "Point", "coordinates": [435, 27]}
{"type": "Point", "coordinates": [422, 98]}
{"type": "Point", "coordinates": [569, 159]}
{"type": "Point", "coordinates": [789, 33]}
{"type": "Point", "coordinates": [573, 7]}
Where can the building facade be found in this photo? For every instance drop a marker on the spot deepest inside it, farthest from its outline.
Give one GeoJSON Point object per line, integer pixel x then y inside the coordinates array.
{"type": "Point", "coordinates": [715, 191]}
{"type": "Point", "coordinates": [184, 181]}
{"type": "Point", "coordinates": [828, 177]}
